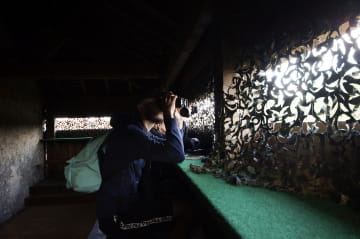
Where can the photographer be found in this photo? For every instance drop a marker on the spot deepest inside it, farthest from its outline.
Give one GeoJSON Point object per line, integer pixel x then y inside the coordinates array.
{"type": "Point", "coordinates": [121, 211]}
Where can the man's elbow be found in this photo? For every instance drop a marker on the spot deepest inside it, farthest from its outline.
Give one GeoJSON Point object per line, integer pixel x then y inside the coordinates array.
{"type": "Point", "coordinates": [180, 157]}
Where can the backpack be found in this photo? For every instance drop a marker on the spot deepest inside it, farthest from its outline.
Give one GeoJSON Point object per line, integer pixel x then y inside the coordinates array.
{"type": "Point", "coordinates": [82, 172]}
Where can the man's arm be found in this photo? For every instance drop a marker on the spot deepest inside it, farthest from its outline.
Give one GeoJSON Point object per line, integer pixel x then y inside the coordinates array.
{"type": "Point", "coordinates": [135, 143]}
{"type": "Point", "coordinates": [169, 150]}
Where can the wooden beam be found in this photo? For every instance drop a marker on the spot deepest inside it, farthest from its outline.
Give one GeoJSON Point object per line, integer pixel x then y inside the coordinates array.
{"type": "Point", "coordinates": [82, 71]}
{"type": "Point", "coordinates": [107, 85]}
{"type": "Point", "coordinates": [145, 7]}
{"type": "Point", "coordinates": [63, 100]}
{"type": "Point", "coordinates": [219, 93]}
{"type": "Point", "coordinates": [50, 126]}
{"type": "Point", "coordinates": [131, 88]}
{"type": "Point", "coordinates": [136, 51]}
{"type": "Point", "coordinates": [184, 49]}
{"type": "Point", "coordinates": [83, 86]}
{"type": "Point", "coordinates": [54, 50]}
{"type": "Point", "coordinates": [202, 57]}
{"type": "Point", "coordinates": [87, 105]}
{"type": "Point", "coordinates": [140, 25]}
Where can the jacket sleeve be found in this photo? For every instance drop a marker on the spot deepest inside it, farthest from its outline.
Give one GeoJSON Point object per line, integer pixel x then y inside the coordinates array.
{"type": "Point", "coordinates": [171, 150]}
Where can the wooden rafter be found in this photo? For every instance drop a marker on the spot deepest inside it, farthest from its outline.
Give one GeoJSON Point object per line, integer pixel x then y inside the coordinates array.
{"type": "Point", "coordinates": [68, 105]}
{"type": "Point", "coordinates": [184, 50]}
{"type": "Point", "coordinates": [130, 88]}
{"type": "Point", "coordinates": [107, 85]}
{"type": "Point", "coordinates": [83, 71]}
{"type": "Point", "coordinates": [83, 86]}
{"type": "Point", "coordinates": [136, 51]}
{"type": "Point", "coordinates": [143, 27]}
{"type": "Point", "coordinates": [153, 12]}
{"type": "Point", "coordinates": [203, 58]}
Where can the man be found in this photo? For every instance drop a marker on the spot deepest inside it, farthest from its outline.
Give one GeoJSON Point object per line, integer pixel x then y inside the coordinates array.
{"type": "Point", "coordinates": [121, 211]}
{"type": "Point", "coordinates": [190, 144]}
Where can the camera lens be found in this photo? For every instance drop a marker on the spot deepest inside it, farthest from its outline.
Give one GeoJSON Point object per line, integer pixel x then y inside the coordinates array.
{"type": "Point", "coordinates": [184, 112]}
{"type": "Point", "coordinates": [178, 103]}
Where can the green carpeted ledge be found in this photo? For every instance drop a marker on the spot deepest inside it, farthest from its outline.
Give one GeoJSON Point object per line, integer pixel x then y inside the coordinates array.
{"type": "Point", "coordinates": [256, 213]}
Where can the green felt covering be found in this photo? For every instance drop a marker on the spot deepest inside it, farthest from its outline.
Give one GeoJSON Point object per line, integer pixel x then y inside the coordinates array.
{"type": "Point", "coordinates": [66, 139]}
{"type": "Point", "coordinates": [258, 213]}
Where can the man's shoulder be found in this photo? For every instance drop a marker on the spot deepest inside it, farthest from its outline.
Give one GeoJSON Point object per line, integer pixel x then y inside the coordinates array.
{"type": "Point", "coordinates": [125, 131]}
{"type": "Point", "coordinates": [135, 130]}
{"type": "Point", "coordinates": [134, 127]}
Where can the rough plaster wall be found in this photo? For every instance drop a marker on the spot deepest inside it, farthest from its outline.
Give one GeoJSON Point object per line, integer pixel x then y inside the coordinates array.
{"type": "Point", "coordinates": [21, 152]}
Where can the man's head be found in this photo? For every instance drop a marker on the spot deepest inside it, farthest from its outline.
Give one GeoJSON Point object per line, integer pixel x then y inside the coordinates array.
{"type": "Point", "coordinates": [153, 106]}
{"type": "Point", "coordinates": [150, 110]}
{"type": "Point", "coordinates": [148, 105]}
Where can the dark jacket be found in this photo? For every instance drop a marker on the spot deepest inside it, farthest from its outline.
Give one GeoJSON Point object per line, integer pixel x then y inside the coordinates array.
{"type": "Point", "coordinates": [126, 151]}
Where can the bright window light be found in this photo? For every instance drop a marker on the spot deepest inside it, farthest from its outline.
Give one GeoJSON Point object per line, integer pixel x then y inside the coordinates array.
{"type": "Point", "coordinates": [315, 70]}
{"type": "Point", "coordinates": [205, 117]}
{"type": "Point", "coordinates": [84, 123]}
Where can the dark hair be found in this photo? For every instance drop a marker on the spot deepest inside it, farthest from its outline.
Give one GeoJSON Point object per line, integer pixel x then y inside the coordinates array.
{"type": "Point", "coordinates": [119, 119]}
{"type": "Point", "coordinates": [142, 94]}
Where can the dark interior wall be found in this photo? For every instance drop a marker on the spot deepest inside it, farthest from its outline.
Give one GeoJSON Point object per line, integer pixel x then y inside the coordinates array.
{"type": "Point", "coordinates": [21, 152]}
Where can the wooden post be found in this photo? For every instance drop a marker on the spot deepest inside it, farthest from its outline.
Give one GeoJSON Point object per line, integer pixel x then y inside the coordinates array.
{"type": "Point", "coordinates": [185, 48]}
{"type": "Point", "coordinates": [49, 133]}
{"type": "Point", "coordinates": [218, 92]}
{"type": "Point", "coordinates": [50, 126]}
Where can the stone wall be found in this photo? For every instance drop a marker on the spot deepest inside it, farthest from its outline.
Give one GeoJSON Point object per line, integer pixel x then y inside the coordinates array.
{"type": "Point", "coordinates": [21, 152]}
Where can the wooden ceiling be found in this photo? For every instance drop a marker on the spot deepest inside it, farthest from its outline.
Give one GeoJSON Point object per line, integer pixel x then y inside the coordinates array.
{"type": "Point", "coordinates": [103, 31]}
{"type": "Point", "coordinates": [90, 55]}
{"type": "Point", "coordinates": [96, 51]}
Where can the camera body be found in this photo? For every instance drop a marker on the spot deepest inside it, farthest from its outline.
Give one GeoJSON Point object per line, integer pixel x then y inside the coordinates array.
{"type": "Point", "coordinates": [183, 104]}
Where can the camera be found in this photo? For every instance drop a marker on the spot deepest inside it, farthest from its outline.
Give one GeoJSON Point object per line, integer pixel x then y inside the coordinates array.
{"type": "Point", "coordinates": [181, 103]}
{"type": "Point", "coordinates": [184, 105]}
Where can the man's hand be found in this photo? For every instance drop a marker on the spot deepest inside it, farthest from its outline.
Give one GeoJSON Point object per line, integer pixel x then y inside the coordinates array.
{"type": "Point", "coordinates": [179, 119]}
{"type": "Point", "coordinates": [169, 106]}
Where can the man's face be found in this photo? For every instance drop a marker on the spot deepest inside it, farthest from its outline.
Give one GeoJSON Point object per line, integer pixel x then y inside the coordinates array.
{"type": "Point", "coordinates": [161, 127]}
{"type": "Point", "coordinates": [150, 110]}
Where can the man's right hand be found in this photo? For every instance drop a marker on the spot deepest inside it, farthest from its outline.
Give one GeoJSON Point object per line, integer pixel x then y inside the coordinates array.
{"type": "Point", "coordinates": [169, 106]}
{"type": "Point", "coordinates": [179, 119]}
